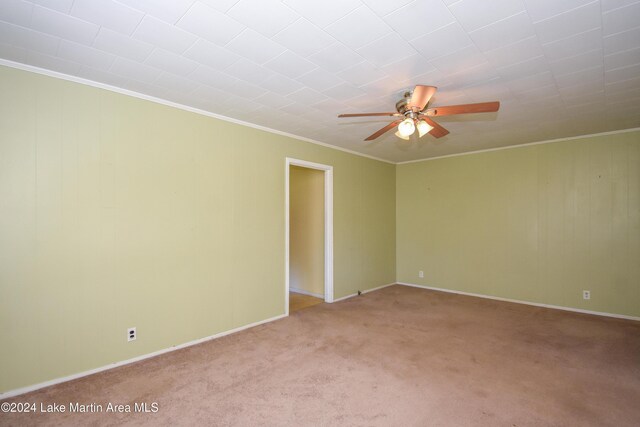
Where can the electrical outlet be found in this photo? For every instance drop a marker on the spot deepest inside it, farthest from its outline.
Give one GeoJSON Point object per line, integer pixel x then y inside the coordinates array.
{"type": "Point", "coordinates": [132, 334]}
{"type": "Point", "coordinates": [421, 274]}
{"type": "Point", "coordinates": [586, 294]}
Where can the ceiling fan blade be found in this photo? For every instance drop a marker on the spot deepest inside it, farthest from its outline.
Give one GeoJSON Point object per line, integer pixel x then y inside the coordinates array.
{"type": "Point", "coordinates": [383, 130]}
{"type": "Point", "coordinates": [437, 131]}
{"type": "Point", "coordinates": [368, 114]}
{"type": "Point", "coordinates": [482, 107]}
{"type": "Point", "coordinates": [421, 96]}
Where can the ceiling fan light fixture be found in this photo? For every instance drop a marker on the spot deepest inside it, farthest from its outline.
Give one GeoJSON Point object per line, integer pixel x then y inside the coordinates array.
{"type": "Point", "coordinates": [413, 107]}
{"type": "Point", "coordinates": [399, 135]}
{"type": "Point", "coordinates": [423, 128]}
{"type": "Point", "coordinates": [406, 128]}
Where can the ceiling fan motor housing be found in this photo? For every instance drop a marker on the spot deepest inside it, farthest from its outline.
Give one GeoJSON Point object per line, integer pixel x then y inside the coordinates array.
{"type": "Point", "coordinates": [401, 106]}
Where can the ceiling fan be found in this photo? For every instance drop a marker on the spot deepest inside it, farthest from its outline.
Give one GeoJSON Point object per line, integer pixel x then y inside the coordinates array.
{"type": "Point", "coordinates": [416, 116]}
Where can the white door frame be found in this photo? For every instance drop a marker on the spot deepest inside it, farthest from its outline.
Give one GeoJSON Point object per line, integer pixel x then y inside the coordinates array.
{"type": "Point", "coordinates": [328, 227]}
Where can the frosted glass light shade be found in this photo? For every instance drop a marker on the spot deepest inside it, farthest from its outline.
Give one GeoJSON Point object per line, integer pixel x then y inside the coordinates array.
{"type": "Point", "coordinates": [407, 127]}
{"type": "Point", "coordinates": [399, 135]}
{"type": "Point", "coordinates": [423, 128]}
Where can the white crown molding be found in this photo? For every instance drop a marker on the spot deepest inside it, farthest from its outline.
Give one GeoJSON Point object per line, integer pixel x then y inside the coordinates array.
{"type": "Point", "coordinates": [528, 144]}
{"type": "Point", "coordinates": [27, 389]}
{"type": "Point", "coordinates": [535, 304]}
{"type": "Point", "coordinates": [87, 82]}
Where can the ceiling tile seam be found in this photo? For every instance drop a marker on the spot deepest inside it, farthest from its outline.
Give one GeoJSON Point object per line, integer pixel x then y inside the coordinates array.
{"type": "Point", "coordinates": [544, 54]}
{"type": "Point", "coordinates": [321, 50]}
{"type": "Point", "coordinates": [453, 4]}
{"type": "Point", "coordinates": [570, 36]}
{"type": "Point", "coordinates": [226, 12]}
{"type": "Point", "coordinates": [334, 39]}
{"type": "Point", "coordinates": [347, 47]}
{"type": "Point", "coordinates": [576, 72]}
{"type": "Point", "coordinates": [497, 21]}
{"type": "Point", "coordinates": [32, 29]}
{"type": "Point", "coordinates": [286, 27]}
{"type": "Point", "coordinates": [482, 82]}
{"type": "Point", "coordinates": [378, 39]}
{"type": "Point", "coordinates": [623, 68]}
{"type": "Point", "coordinates": [622, 51]}
{"type": "Point", "coordinates": [60, 39]}
{"type": "Point", "coordinates": [134, 30]}
{"type": "Point", "coordinates": [581, 104]}
{"type": "Point", "coordinates": [473, 43]}
{"type": "Point", "coordinates": [616, 8]}
{"type": "Point", "coordinates": [393, 30]}
{"type": "Point", "coordinates": [175, 24]}
{"type": "Point", "coordinates": [536, 89]}
{"type": "Point", "coordinates": [145, 13]}
{"type": "Point", "coordinates": [198, 38]}
{"type": "Point", "coordinates": [70, 13]}
{"type": "Point", "coordinates": [224, 71]}
{"type": "Point", "coordinates": [356, 51]}
{"type": "Point", "coordinates": [309, 72]}
{"type": "Point", "coordinates": [288, 7]}
{"type": "Point", "coordinates": [602, 48]}
{"type": "Point", "coordinates": [430, 60]}
{"type": "Point", "coordinates": [384, 15]}
{"type": "Point", "coordinates": [31, 12]}
{"type": "Point", "coordinates": [345, 17]}
{"type": "Point", "coordinates": [139, 95]}
{"type": "Point", "coordinates": [110, 69]}
{"type": "Point", "coordinates": [330, 35]}
{"type": "Point", "coordinates": [563, 96]}
{"type": "Point", "coordinates": [621, 32]}
{"type": "Point", "coordinates": [431, 32]}
{"type": "Point", "coordinates": [93, 45]}
{"type": "Point", "coordinates": [511, 44]}
{"type": "Point", "coordinates": [57, 38]}
{"type": "Point", "coordinates": [567, 11]}
{"type": "Point", "coordinates": [58, 43]}
{"type": "Point", "coordinates": [232, 6]}
{"type": "Point", "coordinates": [575, 56]}
{"type": "Point", "coordinates": [57, 12]}
{"type": "Point", "coordinates": [100, 27]}
{"type": "Point", "coordinates": [246, 28]}
{"type": "Point", "coordinates": [386, 76]}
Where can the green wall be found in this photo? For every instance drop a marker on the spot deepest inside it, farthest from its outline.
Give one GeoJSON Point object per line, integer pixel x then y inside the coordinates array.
{"type": "Point", "coordinates": [119, 212]}
{"type": "Point", "coordinates": [539, 223]}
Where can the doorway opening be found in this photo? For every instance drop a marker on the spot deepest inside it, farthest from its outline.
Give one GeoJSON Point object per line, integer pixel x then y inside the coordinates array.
{"type": "Point", "coordinates": [308, 234]}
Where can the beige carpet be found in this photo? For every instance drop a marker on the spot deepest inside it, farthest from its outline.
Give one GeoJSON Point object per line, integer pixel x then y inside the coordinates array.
{"type": "Point", "coordinates": [396, 357]}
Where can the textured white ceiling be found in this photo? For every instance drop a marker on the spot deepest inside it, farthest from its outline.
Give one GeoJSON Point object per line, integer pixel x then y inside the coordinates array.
{"type": "Point", "coordinates": [560, 67]}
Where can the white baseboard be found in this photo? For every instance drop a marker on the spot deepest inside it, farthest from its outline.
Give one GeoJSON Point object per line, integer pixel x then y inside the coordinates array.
{"type": "Point", "coordinates": [364, 292]}
{"type": "Point", "coordinates": [536, 304]}
{"type": "Point", "coordinates": [303, 292]}
{"type": "Point", "coordinates": [23, 390]}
